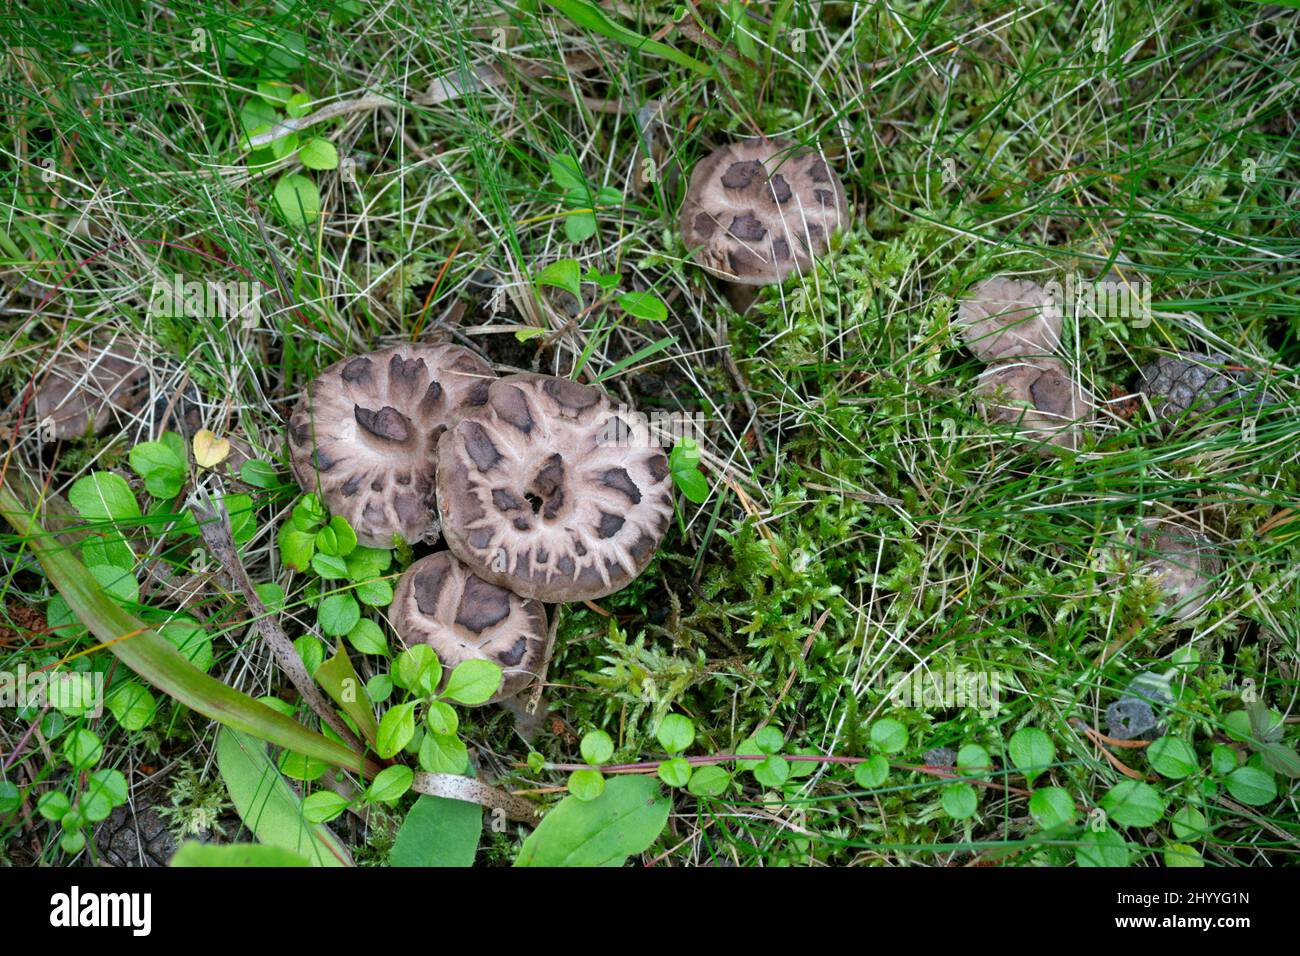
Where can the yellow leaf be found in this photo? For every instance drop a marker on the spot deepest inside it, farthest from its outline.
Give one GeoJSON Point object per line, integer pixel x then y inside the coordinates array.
{"type": "Point", "coordinates": [209, 450]}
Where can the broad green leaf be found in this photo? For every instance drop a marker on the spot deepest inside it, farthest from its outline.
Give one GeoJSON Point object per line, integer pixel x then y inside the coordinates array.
{"type": "Point", "coordinates": [390, 784]}
{"type": "Point", "coordinates": [324, 805]}
{"type": "Point", "coordinates": [960, 801]}
{"type": "Point", "coordinates": [597, 747]}
{"type": "Point", "coordinates": [102, 495]}
{"type": "Point", "coordinates": [443, 753]}
{"type": "Point", "coordinates": [339, 614]}
{"type": "Point", "coordinates": [1172, 757]}
{"type": "Point", "coordinates": [871, 773]}
{"type": "Point", "coordinates": [888, 735]}
{"type": "Point", "coordinates": [297, 200]}
{"type": "Point", "coordinates": [1132, 803]}
{"type": "Point", "coordinates": [624, 820]}
{"type": "Point", "coordinates": [675, 772]}
{"type": "Point", "coordinates": [1031, 752]}
{"type": "Point", "coordinates": [268, 805]}
{"type": "Point", "coordinates": [396, 728]}
{"type": "Point", "coordinates": [1051, 807]}
{"type": "Point", "coordinates": [473, 682]}
{"type": "Point", "coordinates": [645, 306]}
{"type": "Point", "coordinates": [368, 637]}
{"type": "Point", "coordinates": [676, 733]}
{"type": "Point", "coordinates": [565, 274]}
{"type": "Point", "coordinates": [1251, 785]}
{"type": "Point", "coordinates": [708, 781]}
{"type": "Point", "coordinates": [1102, 848]}
{"type": "Point", "coordinates": [586, 785]}
{"type": "Point", "coordinates": [319, 153]}
{"type": "Point", "coordinates": [683, 464]}
{"type": "Point", "coordinates": [438, 832]}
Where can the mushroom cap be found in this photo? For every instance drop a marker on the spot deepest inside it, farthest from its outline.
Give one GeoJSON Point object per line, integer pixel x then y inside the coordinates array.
{"type": "Point", "coordinates": [758, 209]}
{"type": "Point", "coordinates": [1039, 397]}
{"type": "Point", "coordinates": [82, 391]}
{"type": "Point", "coordinates": [440, 602]}
{"type": "Point", "coordinates": [1182, 563]}
{"type": "Point", "coordinates": [1002, 318]}
{"type": "Point", "coordinates": [1190, 387]}
{"type": "Point", "coordinates": [550, 491]}
{"type": "Point", "coordinates": [365, 435]}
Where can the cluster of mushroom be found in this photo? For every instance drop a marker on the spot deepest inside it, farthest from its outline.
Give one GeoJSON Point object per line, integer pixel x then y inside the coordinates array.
{"type": "Point", "coordinates": [1016, 328]}
{"type": "Point", "coordinates": [542, 493]}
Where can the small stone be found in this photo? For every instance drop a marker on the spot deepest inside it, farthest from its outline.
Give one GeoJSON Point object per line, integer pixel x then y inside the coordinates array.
{"type": "Point", "coordinates": [940, 757]}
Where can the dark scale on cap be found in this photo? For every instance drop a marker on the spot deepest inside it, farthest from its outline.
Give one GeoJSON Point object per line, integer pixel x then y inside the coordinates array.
{"type": "Point", "coordinates": [512, 657]}
{"type": "Point", "coordinates": [353, 485]}
{"type": "Point", "coordinates": [506, 500]}
{"type": "Point", "coordinates": [780, 188]}
{"type": "Point", "coordinates": [479, 446]}
{"type": "Point", "coordinates": [658, 465]}
{"type": "Point", "coordinates": [781, 249]}
{"type": "Point", "coordinates": [357, 370]}
{"type": "Point", "coordinates": [570, 394]}
{"type": "Point", "coordinates": [482, 605]}
{"type": "Point", "coordinates": [705, 224]}
{"type": "Point", "coordinates": [511, 405]}
{"type": "Point", "coordinates": [428, 584]}
{"type": "Point", "coordinates": [620, 480]}
{"type": "Point", "coordinates": [387, 423]}
{"type": "Point", "coordinates": [432, 396]}
{"type": "Point", "coordinates": [301, 433]}
{"type": "Point", "coordinates": [817, 170]}
{"type": "Point", "coordinates": [610, 525]}
{"type": "Point", "coordinates": [740, 175]}
{"type": "Point", "coordinates": [748, 228]}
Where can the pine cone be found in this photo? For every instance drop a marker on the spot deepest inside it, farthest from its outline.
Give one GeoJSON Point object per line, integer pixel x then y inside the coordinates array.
{"type": "Point", "coordinates": [1188, 387]}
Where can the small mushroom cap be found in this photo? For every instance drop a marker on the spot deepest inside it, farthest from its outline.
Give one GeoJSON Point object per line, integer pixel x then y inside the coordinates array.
{"type": "Point", "coordinates": [1003, 318]}
{"type": "Point", "coordinates": [758, 209]}
{"type": "Point", "coordinates": [365, 435]}
{"type": "Point", "coordinates": [1040, 398]}
{"type": "Point", "coordinates": [1182, 562]}
{"type": "Point", "coordinates": [82, 392]}
{"type": "Point", "coordinates": [440, 602]}
{"type": "Point", "coordinates": [550, 491]}
{"type": "Point", "coordinates": [1190, 388]}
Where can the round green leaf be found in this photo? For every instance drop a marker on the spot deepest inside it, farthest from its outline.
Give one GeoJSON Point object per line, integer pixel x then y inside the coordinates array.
{"type": "Point", "coordinates": [709, 781]}
{"type": "Point", "coordinates": [339, 614]}
{"type": "Point", "coordinates": [645, 306]}
{"type": "Point", "coordinates": [1051, 807]}
{"type": "Point", "coordinates": [1132, 803]}
{"type": "Point", "coordinates": [960, 800]}
{"type": "Point", "coordinates": [1031, 752]}
{"type": "Point", "coordinates": [1189, 823]}
{"type": "Point", "coordinates": [473, 682]}
{"type": "Point", "coordinates": [676, 733]}
{"type": "Point", "coordinates": [1252, 785]}
{"type": "Point", "coordinates": [396, 728]}
{"type": "Point", "coordinates": [888, 735]}
{"type": "Point", "coordinates": [871, 773]}
{"type": "Point", "coordinates": [974, 761]}
{"type": "Point", "coordinates": [597, 747]}
{"type": "Point", "coordinates": [1172, 757]}
{"type": "Point", "coordinates": [675, 772]}
{"type": "Point", "coordinates": [586, 785]}
{"type": "Point", "coordinates": [1105, 848]}
{"type": "Point", "coordinates": [297, 200]}
{"type": "Point", "coordinates": [368, 637]}
{"type": "Point", "coordinates": [1180, 854]}
{"type": "Point", "coordinates": [319, 153]}
{"type": "Point", "coordinates": [82, 748]}
{"type": "Point", "coordinates": [103, 495]}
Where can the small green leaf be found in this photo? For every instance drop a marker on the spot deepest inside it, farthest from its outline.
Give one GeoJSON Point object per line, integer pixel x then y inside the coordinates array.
{"type": "Point", "coordinates": [323, 806]}
{"type": "Point", "coordinates": [330, 567]}
{"type": "Point", "coordinates": [54, 805]}
{"type": "Point", "coordinates": [105, 789]}
{"type": "Point", "coordinates": [586, 785]}
{"type": "Point", "coordinates": [338, 614]}
{"type": "Point", "coordinates": [195, 854]}
{"type": "Point", "coordinates": [683, 464]}
{"type": "Point", "coordinates": [645, 306]}
{"type": "Point", "coordinates": [1132, 803]}
{"type": "Point", "coordinates": [473, 682]}
{"type": "Point", "coordinates": [772, 772]}
{"type": "Point", "coordinates": [418, 670]}
{"type": "Point", "coordinates": [974, 761]}
{"type": "Point", "coordinates": [297, 200]}
{"type": "Point", "coordinates": [1180, 854]}
{"type": "Point", "coordinates": [675, 772]}
{"type": "Point", "coordinates": [376, 593]}
{"type": "Point", "coordinates": [1031, 752]}
{"type": "Point", "coordinates": [442, 718]}
{"type": "Point", "coordinates": [390, 784]}
{"type": "Point", "coordinates": [597, 747]}
{"type": "Point", "coordinates": [1172, 757]}
{"type": "Point", "coordinates": [102, 495]}
{"type": "Point", "coordinates": [888, 735]}
{"type": "Point", "coordinates": [709, 781]}
{"type": "Point", "coordinates": [296, 547]}
{"type": "Point", "coordinates": [960, 801]}
{"type": "Point", "coordinates": [871, 773]}
{"type": "Point", "coordinates": [1189, 824]}
{"type": "Point", "coordinates": [579, 226]}
{"type": "Point", "coordinates": [676, 733]}
{"type": "Point", "coordinates": [1252, 785]}
{"type": "Point", "coordinates": [258, 473]}
{"type": "Point", "coordinates": [319, 153]}
{"type": "Point", "coordinates": [565, 274]}
{"type": "Point", "coordinates": [1102, 848]}
{"type": "Point", "coordinates": [443, 753]}
{"type": "Point", "coordinates": [132, 705]}
{"type": "Point", "coordinates": [368, 637]}
{"type": "Point", "coordinates": [396, 728]}
{"type": "Point", "coordinates": [1051, 807]}
{"type": "Point", "coordinates": [82, 748]}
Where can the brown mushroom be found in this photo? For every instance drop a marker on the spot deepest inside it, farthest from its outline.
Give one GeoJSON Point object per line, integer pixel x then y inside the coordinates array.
{"type": "Point", "coordinates": [547, 490]}
{"type": "Point", "coordinates": [440, 602]}
{"type": "Point", "coordinates": [1003, 318]}
{"type": "Point", "coordinates": [1181, 562]}
{"type": "Point", "coordinates": [758, 209]}
{"type": "Point", "coordinates": [365, 435]}
{"type": "Point", "coordinates": [88, 391]}
{"type": "Point", "coordinates": [1040, 398]}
